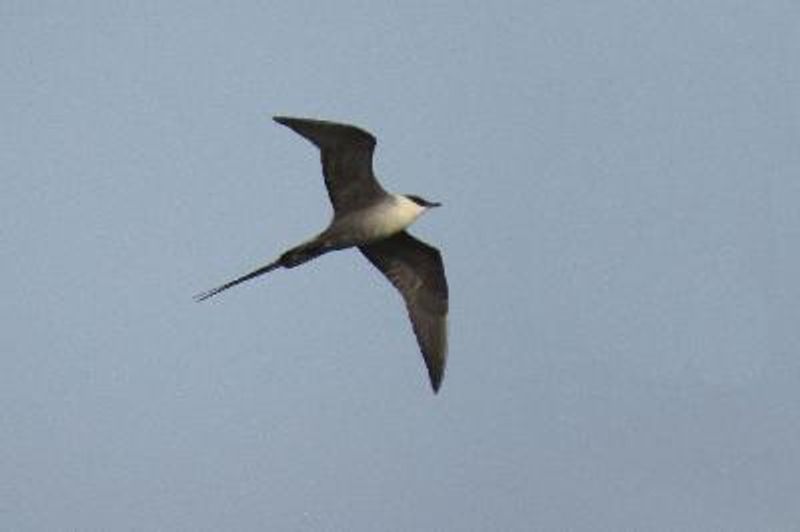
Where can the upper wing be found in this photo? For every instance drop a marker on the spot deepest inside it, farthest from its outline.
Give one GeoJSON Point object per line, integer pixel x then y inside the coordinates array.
{"type": "Point", "coordinates": [417, 271]}
{"type": "Point", "coordinates": [346, 160]}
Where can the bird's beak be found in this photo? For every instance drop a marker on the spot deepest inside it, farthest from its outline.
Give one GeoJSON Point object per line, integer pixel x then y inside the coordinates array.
{"type": "Point", "coordinates": [434, 204]}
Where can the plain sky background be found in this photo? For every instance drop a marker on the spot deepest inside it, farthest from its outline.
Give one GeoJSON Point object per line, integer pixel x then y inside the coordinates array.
{"type": "Point", "coordinates": [621, 232]}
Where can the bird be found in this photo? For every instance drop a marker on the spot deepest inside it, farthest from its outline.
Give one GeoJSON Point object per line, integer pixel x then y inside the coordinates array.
{"type": "Point", "coordinates": [373, 220]}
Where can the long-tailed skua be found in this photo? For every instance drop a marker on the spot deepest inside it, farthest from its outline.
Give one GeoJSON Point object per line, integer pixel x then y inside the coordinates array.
{"type": "Point", "coordinates": [375, 221]}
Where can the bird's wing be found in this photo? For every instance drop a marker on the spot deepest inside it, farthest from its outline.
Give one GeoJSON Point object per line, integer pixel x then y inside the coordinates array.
{"type": "Point", "coordinates": [346, 153]}
{"type": "Point", "coordinates": [417, 271]}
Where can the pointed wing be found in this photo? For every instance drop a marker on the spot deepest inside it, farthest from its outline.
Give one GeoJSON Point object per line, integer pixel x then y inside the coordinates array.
{"type": "Point", "coordinates": [346, 153]}
{"type": "Point", "coordinates": [417, 271]}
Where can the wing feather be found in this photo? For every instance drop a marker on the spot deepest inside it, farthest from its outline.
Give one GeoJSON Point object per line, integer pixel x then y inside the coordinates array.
{"type": "Point", "coordinates": [346, 153]}
{"type": "Point", "coordinates": [416, 270]}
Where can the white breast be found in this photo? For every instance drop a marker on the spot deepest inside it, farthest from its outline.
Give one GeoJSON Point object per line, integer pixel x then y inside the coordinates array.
{"type": "Point", "coordinates": [391, 216]}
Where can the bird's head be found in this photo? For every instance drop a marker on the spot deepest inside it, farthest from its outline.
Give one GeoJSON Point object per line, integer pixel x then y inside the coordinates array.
{"type": "Point", "coordinates": [423, 202]}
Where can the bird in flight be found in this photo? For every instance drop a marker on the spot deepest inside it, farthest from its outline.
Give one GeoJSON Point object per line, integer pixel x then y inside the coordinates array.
{"type": "Point", "coordinates": [375, 221]}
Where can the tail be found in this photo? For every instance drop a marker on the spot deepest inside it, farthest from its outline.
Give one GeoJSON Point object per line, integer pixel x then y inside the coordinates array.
{"type": "Point", "coordinates": [294, 257]}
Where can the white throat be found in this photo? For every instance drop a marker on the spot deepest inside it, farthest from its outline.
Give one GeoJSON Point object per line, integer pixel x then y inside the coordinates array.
{"type": "Point", "coordinates": [392, 216]}
{"type": "Point", "coordinates": [405, 208]}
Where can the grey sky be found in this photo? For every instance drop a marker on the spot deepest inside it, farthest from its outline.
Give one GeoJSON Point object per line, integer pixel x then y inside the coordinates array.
{"type": "Point", "coordinates": [620, 229]}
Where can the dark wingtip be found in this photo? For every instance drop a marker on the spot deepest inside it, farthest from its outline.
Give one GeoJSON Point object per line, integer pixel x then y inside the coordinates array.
{"type": "Point", "coordinates": [291, 122]}
{"type": "Point", "coordinates": [436, 382]}
{"type": "Point", "coordinates": [287, 121]}
{"type": "Point", "coordinates": [299, 125]}
{"type": "Point", "coordinates": [325, 132]}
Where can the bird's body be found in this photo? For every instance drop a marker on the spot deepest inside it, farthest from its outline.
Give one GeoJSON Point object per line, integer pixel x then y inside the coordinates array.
{"type": "Point", "coordinates": [389, 216]}
{"type": "Point", "coordinates": [368, 217]}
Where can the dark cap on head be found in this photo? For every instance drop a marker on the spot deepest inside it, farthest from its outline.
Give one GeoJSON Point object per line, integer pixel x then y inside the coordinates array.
{"type": "Point", "coordinates": [422, 202]}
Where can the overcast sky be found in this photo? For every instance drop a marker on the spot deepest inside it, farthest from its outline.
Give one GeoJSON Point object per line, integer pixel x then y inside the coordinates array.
{"type": "Point", "coordinates": [621, 230]}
